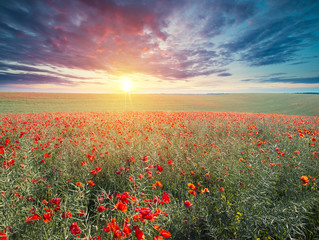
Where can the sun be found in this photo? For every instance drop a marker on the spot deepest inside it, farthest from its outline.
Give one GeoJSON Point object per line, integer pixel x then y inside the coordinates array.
{"type": "Point", "coordinates": [127, 84]}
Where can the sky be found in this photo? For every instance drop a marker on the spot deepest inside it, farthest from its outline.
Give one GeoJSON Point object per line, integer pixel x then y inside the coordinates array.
{"type": "Point", "coordinates": [163, 46]}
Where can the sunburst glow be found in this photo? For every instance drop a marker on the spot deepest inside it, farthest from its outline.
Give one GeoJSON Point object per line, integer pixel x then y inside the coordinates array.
{"type": "Point", "coordinates": [127, 84]}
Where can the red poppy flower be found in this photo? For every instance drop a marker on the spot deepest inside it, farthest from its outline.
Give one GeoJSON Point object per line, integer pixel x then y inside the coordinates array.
{"type": "Point", "coordinates": [165, 198]}
{"type": "Point", "coordinates": [158, 238]}
{"type": "Point", "coordinates": [158, 183]}
{"type": "Point", "coordinates": [94, 238]}
{"type": "Point", "coordinates": [111, 226]}
{"type": "Point", "coordinates": [117, 234]}
{"type": "Point", "coordinates": [192, 192]}
{"type": "Point", "coordinates": [145, 211]}
{"type": "Point", "coordinates": [121, 206]}
{"type": "Point", "coordinates": [67, 214]}
{"type": "Point", "coordinates": [55, 201]}
{"type": "Point", "coordinates": [101, 208]}
{"type": "Point", "coordinates": [79, 184]}
{"type": "Point", "coordinates": [75, 229]}
{"type": "Point", "coordinates": [3, 236]}
{"type": "Point", "coordinates": [305, 180]}
{"type": "Point", "coordinates": [126, 230]}
{"type": "Point", "coordinates": [123, 197]}
{"type": "Point", "coordinates": [139, 234]}
{"type": "Point", "coordinates": [91, 183]}
{"type": "Point", "coordinates": [95, 170]}
{"type": "Point", "coordinates": [46, 217]}
{"type": "Point", "coordinates": [187, 204]}
{"type": "Point", "coordinates": [165, 233]}
{"type": "Point", "coordinates": [33, 218]}
{"type": "Point", "coordinates": [159, 168]}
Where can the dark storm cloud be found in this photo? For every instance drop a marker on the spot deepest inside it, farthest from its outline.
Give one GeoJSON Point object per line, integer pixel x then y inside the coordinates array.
{"type": "Point", "coordinates": [309, 80]}
{"type": "Point", "coordinates": [141, 36]}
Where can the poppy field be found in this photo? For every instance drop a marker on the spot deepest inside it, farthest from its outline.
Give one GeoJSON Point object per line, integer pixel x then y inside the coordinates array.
{"type": "Point", "coordinates": [158, 175]}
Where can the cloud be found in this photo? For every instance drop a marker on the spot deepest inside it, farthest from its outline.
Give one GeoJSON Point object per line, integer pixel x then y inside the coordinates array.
{"type": "Point", "coordinates": [32, 70]}
{"type": "Point", "coordinates": [310, 80]}
{"type": "Point", "coordinates": [30, 79]}
{"type": "Point", "coordinates": [118, 36]}
{"type": "Point", "coordinates": [223, 13]}
{"type": "Point", "coordinates": [277, 35]}
{"type": "Point", "coordinates": [305, 80]}
{"type": "Point", "coordinates": [297, 63]}
{"type": "Point", "coordinates": [85, 34]}
{"type": "Point", "coordinates": [274, 42]}
{"type": "Point", "coordinates": [167, 39]}
{"type": "Point", "coordinates": [276, 74]}
{"type": "Point", "coordinates": [224, 74]}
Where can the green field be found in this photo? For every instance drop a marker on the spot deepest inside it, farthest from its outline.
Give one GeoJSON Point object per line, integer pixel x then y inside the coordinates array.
{"type": "Point", "coordinates": [275, 103]}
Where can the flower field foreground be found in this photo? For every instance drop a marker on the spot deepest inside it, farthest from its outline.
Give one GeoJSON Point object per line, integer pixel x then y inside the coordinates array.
{"type": "Point", "coordinates": [158, 175]}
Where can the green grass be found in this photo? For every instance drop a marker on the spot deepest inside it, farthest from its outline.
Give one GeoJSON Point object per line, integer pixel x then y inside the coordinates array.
{"type": "Point", "coordinates": [275, 103]}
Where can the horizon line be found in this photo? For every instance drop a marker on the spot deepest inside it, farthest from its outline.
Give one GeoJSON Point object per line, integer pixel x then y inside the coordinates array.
{"type": "Point", "coordinates": [163, 93]}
